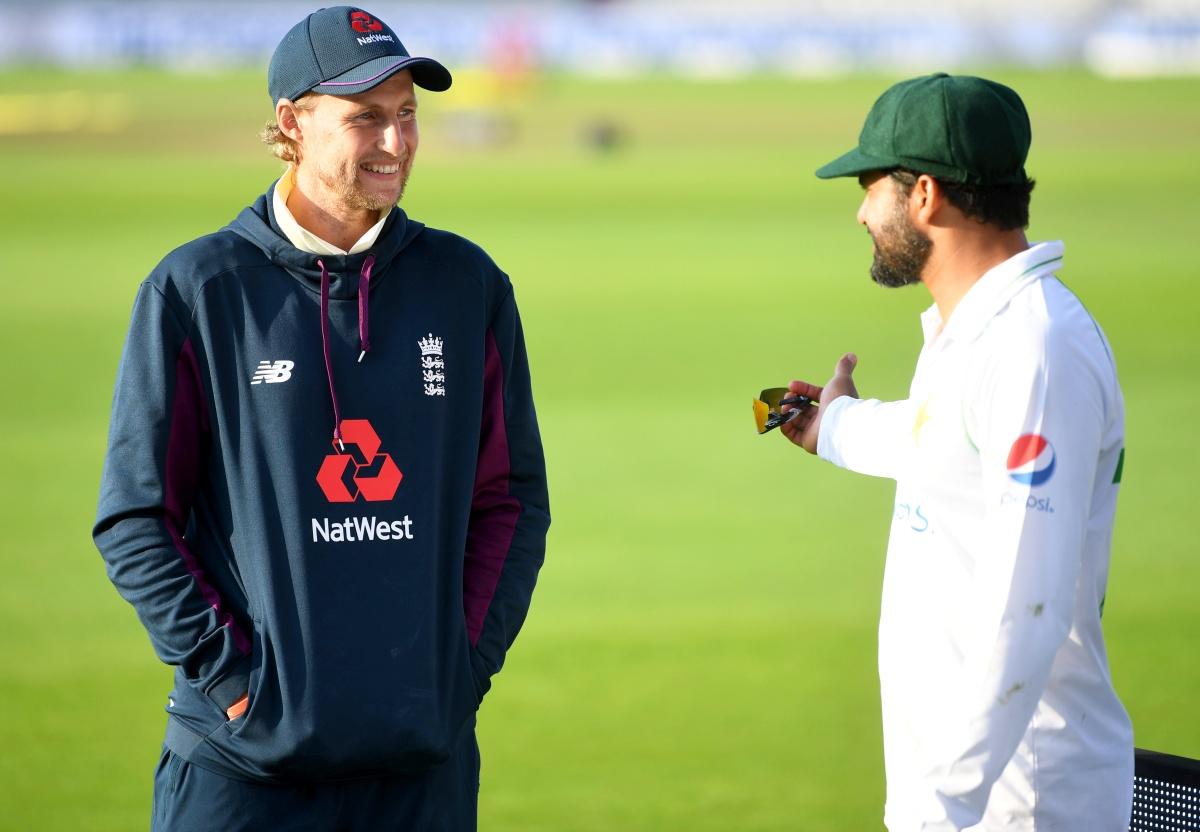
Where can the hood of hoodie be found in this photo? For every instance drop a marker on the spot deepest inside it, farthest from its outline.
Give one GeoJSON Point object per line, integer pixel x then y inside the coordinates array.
{"type": "Point", "coordinates": [257, 225]}
{"type": "Point", "coordinates": [332, 277]}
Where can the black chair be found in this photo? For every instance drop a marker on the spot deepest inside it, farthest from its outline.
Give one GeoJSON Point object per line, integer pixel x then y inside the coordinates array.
{"type": "Point", "coordinates": [1166, 793]}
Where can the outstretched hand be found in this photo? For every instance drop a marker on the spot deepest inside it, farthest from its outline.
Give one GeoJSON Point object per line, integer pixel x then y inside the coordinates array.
{"type": "Point", "coordinates": [804, 429]}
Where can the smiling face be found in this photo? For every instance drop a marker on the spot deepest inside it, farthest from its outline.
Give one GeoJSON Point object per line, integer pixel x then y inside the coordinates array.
{"type": "Point", "coordinates": [901, 251]}
{"type": "Point", "coordinates": [356, 151]}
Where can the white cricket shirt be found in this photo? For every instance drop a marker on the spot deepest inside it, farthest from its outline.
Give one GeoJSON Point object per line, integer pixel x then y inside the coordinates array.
{"type": "Point", "coordinates": [998, 709]}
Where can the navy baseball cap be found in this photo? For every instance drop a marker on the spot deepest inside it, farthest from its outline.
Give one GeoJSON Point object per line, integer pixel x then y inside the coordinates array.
{"type": "Point", "coordinates": [342, 51]}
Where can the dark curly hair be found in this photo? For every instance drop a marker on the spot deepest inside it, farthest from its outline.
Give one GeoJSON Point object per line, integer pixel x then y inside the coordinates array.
{"type": "Point", "coordinates": [1004, 206]}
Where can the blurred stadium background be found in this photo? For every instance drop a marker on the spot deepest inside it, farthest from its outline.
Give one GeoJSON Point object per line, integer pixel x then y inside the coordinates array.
{"type": "Point", "coordinates": [611, 38]}
{"type": "Point", "coordinates": [700, 654]}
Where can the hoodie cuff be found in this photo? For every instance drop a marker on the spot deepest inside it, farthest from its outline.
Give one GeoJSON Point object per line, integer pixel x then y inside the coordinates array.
{"type": "Point", "coordinates": [481, 676]}
{"type": "Point", "coordinates": [233, 687]}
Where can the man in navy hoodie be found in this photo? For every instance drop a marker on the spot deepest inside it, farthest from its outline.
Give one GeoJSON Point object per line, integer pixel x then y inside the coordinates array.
{"type": "Point", "coordinates": [324, 492]}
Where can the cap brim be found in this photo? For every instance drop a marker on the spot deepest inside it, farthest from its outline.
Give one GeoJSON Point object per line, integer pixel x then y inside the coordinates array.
{"type": "Point", "coordinates": [854, 163]}
{"type": "Point", "coordinates": [426, 73]}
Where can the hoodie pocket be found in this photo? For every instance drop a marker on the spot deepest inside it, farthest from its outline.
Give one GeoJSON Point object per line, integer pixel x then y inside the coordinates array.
{"type": "Point", "coordinates": [360, 698]}
{"type": "Point", "coordinates": [235, 726]}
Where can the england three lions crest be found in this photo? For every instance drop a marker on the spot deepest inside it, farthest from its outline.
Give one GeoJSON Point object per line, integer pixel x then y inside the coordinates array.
{"type": "Point", "coordinates": [433, 367]}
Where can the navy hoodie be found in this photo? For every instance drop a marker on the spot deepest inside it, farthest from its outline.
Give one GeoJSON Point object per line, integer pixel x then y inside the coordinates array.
{"type": "Point", "coordinates": [325, 488]}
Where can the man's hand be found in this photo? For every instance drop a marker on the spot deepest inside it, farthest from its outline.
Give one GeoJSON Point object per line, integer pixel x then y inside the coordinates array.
{"type": "Point", "coordinates": [804, 429]}
{"type": "Point", "coordinates": [238, 708]}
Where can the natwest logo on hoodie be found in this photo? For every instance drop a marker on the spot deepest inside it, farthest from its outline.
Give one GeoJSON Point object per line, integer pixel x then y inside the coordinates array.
{"type": "Point", "coordinates": [359, 470]}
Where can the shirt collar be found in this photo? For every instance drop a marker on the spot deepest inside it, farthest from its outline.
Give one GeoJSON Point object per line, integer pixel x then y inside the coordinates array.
{"type": "Point", "coordinates": [301, 237]}
{"type": "Point", "coordinates": [992, 291]}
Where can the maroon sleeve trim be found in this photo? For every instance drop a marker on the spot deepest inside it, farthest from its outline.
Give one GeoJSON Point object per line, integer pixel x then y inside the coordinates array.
{"type": "Point", "coordinates": [494, 511]}
{"type": "Point", "coordinates": [189, 420]}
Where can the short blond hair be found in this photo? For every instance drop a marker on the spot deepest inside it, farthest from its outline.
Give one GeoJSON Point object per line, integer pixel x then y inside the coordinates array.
{"type": "Point", "coordinates": [282, 147]}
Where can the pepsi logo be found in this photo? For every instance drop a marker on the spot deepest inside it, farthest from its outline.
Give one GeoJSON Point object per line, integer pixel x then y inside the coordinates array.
{"type": "Point", "coordinates": [363, 22]}
{"type": "Point", "coordinates": [1031, 460]}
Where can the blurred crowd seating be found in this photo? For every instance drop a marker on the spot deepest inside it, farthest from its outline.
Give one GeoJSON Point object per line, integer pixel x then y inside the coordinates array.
{"type": "Point", "coordinates": [630, 37]}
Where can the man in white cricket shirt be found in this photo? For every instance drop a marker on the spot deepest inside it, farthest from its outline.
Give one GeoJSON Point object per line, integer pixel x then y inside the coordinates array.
{"type": "Point", "coordinates": [998, 709]}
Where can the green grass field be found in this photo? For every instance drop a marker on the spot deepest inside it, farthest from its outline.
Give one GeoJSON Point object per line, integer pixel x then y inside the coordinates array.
{"type": "Point", "coordinates": [700, 654]}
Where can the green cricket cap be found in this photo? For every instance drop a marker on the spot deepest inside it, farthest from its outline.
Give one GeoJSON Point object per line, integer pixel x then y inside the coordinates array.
{"type": "Point", "coordinates": [957, 128]}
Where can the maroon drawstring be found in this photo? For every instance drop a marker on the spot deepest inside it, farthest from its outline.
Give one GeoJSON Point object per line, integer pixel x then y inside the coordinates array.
{"type": "Point", "coordinates": [337, 417]}
{"type": "Point", "coordinates": [364, 287]}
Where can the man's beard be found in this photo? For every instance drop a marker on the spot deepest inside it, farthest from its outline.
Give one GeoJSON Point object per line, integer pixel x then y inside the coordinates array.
{"type": "Point", "coordinates": [353, 195]}
{"type": "Point", "coordinates": [901, 252]}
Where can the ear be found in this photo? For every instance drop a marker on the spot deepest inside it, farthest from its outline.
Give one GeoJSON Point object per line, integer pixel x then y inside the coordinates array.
{"type": "Point", "coordinates": [287, 116]}
{"type": "Point", "coordinates": [926, 200]}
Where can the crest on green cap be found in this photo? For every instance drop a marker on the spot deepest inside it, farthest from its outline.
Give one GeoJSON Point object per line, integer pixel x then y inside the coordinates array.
{"type": "Point", "coordinates": [958, 128]}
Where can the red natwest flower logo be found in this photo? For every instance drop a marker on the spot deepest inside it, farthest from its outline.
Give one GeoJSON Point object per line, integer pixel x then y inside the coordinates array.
{"type": "Point", "coordinates": [360, 469]}
{"type": "Point", "coordinates": [363, 22]}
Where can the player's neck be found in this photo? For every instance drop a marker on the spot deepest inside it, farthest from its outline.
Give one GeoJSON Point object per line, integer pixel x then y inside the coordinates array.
{"type": "Point", "coordinates": [960, 257]}
{"type": "Point", "coordinates": [324, 215]}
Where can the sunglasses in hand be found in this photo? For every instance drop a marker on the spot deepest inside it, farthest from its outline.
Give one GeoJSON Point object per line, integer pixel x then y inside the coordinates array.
{"type": "Point", "coordinates": [768, 408]}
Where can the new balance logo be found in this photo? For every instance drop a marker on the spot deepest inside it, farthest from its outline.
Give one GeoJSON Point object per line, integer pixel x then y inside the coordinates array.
{"type": "Point", "coordinates": [273, 373]}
